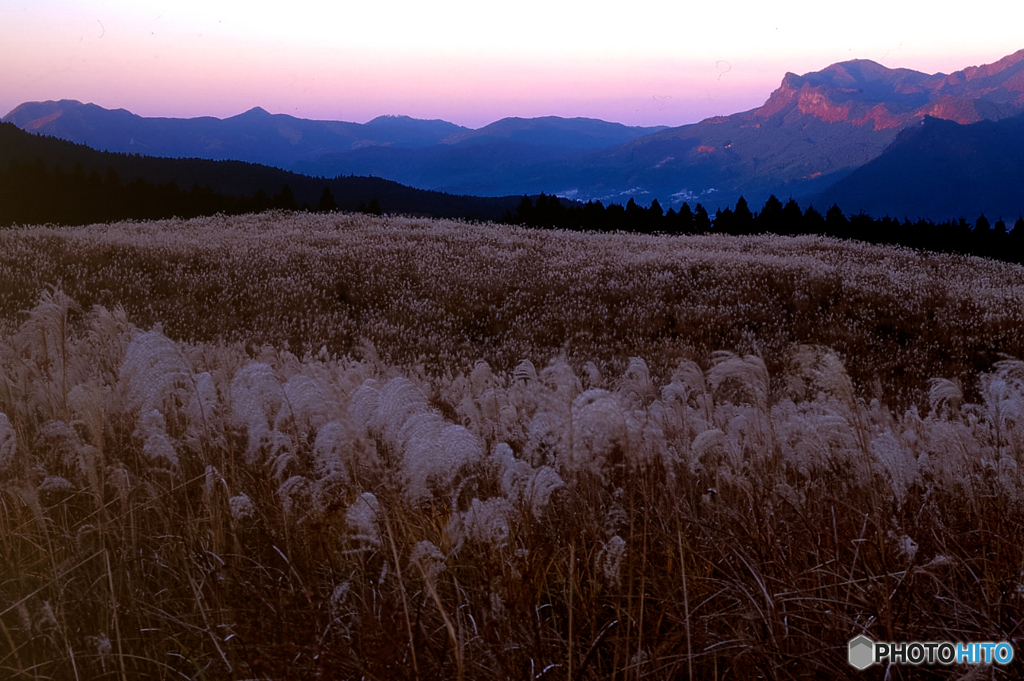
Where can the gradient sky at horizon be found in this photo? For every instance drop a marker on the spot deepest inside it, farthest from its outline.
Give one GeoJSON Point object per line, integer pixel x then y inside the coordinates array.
{"type": "Point", "coordinates": [640, 63]}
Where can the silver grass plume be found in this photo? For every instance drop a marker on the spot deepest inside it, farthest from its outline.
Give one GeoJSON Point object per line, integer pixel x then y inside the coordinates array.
{"type": "Point", "coordinates": [541, 485]}
{"type": "Point", "coordinates": [63, 449]}
{"type": "Point", "coordinates": [746, 374]}
{"type": "Point", "coordinates": [55, 483]}
{"type": "Point", "coordinates": [512, 473]}
{"type": "Point", "coordinates": [485, 522]}
{"type": "Point", "coordinates": [594, 378]}
{"type": "Point", "coordinates": [608, 562]}
{"type": "Point", "coordinates": [45, 339]}
{"type": "Point", "coordinates": [943, 392]}
{"type": "Point", "coordinates": [599, 430]}
{"type": "Point", "coordinates": [293, 492]}
{"type": "Point", "coordinates": [212, 480]}
{"type": "Point", "coordinates": [108, 336]}
{"type": "Point", "coordinates": [525, 372]}
{"type": "Point", "coordinates": [157, 378]}
{"type": "Point", "coordinates": [546, 439]}
{"type": "Point", "coordinates": [433, 453]}
{"type": "Point", "coordinates": [363, 518]}
{"type": "Point", "coordinates": [812, 434]}
{"type": "Point", "coordinates": [899, 464]}
{"type": "Point", "coordinates": [636, 382]}
{"type": "Point", "coordinates": [645, 429]}
{"type": "Point", "coordinates": [523, 484]}
{"type": "Point", "coordinates": [689, 378]}
{"type": "Point", "coordinates": [1003, 395]}
{"type": "Point", "coordinates": [256, 398]}
{"type": "Point", "coordinates": [703, 443]}
{"type": "Point", "coordinates": [153, 371]}
{"type": "Point", "coordinates": [819, 372]}
{"type": "Point", "coordinates": [199, 413]}
{"type": "Point", "coordinates": [344, 616]}
{"type": "Point", "coordinates": [432, 450]}
{"type": "Point", "coordinates": [309, 404]}
{"type": "Point", "coordinates": [365, 404]}
{"type": "Point", "coordinates": [331, 448]}
{"type": "Point", "coordinates": [241, 507]}
{"type": "Point", "coordinates": [428, 558]}
{"type": "Point", "coordinates": [89, 403]}
{"type": "Point", "coordinates": [103, 647]}
{"type": "Point", "coordinates": [559, 377]}
{"type": "Point", "coordinates": [481, 378]}
{"type": "Point", "coordinates": [399, 400]}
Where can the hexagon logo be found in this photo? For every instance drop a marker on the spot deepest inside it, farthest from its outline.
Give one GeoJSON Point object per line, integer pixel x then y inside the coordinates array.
{"type": "Point", "coordinates": [862, 652]}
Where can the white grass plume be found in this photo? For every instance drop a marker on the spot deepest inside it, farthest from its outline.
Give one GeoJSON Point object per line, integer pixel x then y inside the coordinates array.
{"type": "Point", "coordinates": [599, 430]}
{"type": "Point", "coordinates": [45, 339]}
{"type": "Point", "coordinates": [153, 371]}
{"type": "Point", "coordinates": [747, 376]}
{"type": "Point", "coordinates": [819, 371]}
{"type": "Point", "coordinates": [944, 395]}
{"type": "Point", "coordinates": [428, 558]}
{"type": "Point", "coordinates": [363, 518]}
{"type": "Point", "coordinates": [542, 484]}
{"type": "Point", "coordinates": [432, 450]}
{"type": "Point", "coordinates": [256, 399]}
{"type": "Point", "coordinates": [241, 507]}
{"type": "Point", "coordinates": [899, 464]}
{"type": "Point", "coordinates": [487, 522]}
{"type": "Point", "coordinates": [523, 484]}
{"type": "Point", "coordinates": [608, 562]}
{"type": "Point", "coordinates": [636, 383]}
{"type": "Point", "coordinates": [310, 404]}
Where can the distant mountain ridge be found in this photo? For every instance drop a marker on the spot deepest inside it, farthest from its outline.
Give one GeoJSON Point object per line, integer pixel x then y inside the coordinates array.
{"type": "Point", "coordinates": [816, 128]}
{"type": "Point", "coordinates": [255, 136]}
{"type": "Point", "coordinates": [813, 131]}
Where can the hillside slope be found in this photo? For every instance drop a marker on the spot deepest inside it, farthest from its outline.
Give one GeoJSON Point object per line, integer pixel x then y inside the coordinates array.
{"type": "Point", "coordinates": [940, 170]}
{"type": "Point", "coordinates": [236, 179]}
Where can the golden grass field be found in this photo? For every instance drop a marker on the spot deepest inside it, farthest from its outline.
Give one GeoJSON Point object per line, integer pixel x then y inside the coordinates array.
{"type": "Point", "coordinates": [339, 446]}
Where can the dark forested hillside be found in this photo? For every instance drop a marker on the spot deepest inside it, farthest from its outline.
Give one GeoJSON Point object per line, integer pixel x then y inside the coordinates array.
{"type": "Point", "coordinates": [941, 170]}
{"type": "Point", "coordinates": [44, 179]}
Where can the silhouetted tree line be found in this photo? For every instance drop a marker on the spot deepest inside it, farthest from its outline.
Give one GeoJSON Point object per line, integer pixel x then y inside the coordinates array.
{"type": "Point", "coordinates": [955, 236]}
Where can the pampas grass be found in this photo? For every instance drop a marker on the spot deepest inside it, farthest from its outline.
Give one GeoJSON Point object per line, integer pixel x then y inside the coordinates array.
{"type": "Point", "coordinates": [195, 505]}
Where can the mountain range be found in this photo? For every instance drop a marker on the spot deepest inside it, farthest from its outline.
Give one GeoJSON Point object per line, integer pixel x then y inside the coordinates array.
{"type": "Point", "coordinates": [853, 133]}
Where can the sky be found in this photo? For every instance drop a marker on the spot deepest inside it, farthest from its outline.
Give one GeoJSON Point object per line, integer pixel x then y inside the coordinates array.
{"type": "Point", "coordinates": [643, 62]}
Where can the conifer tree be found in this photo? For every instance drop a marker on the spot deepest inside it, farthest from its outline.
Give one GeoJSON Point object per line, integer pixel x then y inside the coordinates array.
{"type": "Point", "coordinates": [326, 204]}
{"type": "Point", "coordinates": [285, 199]}
{"type": "Point", "coordinates": [743, 219]}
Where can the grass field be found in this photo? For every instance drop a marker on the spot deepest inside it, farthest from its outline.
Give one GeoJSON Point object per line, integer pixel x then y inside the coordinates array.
{"type": "Point", "coordinates": [338, 446]}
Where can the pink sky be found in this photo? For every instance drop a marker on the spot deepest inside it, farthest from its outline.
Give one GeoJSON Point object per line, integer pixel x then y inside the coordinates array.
{"type": "Point", "coordinates": [643, 63]}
